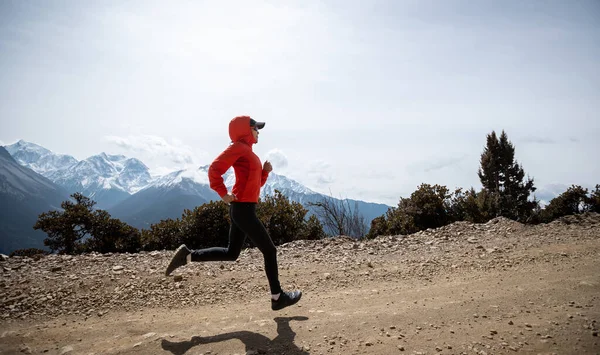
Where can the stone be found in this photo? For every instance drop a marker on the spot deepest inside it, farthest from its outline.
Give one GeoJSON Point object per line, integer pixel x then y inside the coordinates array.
{"type": "Point", "coordinates": [148, 335]}
{"type": "Point", "coordinates": [65, 350]}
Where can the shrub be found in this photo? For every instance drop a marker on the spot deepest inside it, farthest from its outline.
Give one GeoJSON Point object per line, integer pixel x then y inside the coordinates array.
{"type": "Point", "coordinates": [208, 225]}
{"type": "Point", "coordinates": [594, 200]}
{"type": "Point", "coordinates": [66, 228]}
{"type": "Point", "coordinates": [313, 229]}
{"type": "Point", "coordinates": [110, 235]}
{"type": "Point", "coordinates": [573, 201]}
{"type": "Point", "coordinates": [285, 219]}
{"type": "Point", "coordinates": [78, 228]}
{"type": "Point", "coordinates": [339, 217]}
{"type": "Point", "coordinates": [205, 226]}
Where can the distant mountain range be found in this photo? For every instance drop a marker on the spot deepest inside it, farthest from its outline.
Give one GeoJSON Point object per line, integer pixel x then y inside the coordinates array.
{"type": "Point", "coordinates": [107, 179]}
{"type": "Point", "coordinates": [125, 188]}
{"type": "Point", "coordinates": [166, 197]}
{"type": "Point", "coordinates": [24, 194]}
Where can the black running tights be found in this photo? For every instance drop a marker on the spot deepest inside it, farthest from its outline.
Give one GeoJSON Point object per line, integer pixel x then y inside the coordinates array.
{"type": "Point", "coordinates": [245, 223]}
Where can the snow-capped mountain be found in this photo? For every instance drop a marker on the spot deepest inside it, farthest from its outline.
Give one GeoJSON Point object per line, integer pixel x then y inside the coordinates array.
{"type": "Point", "coordinates": [39, 159]}
{"type": "Point", "coordinates": [125, 188]}
{"type": "Point", "coordinates": [186, 176]}
{"type": "Point", "coordinates": [106, 172]}
{"type": "Point", "coordinates": [169, 195]}
{"type": "Point", "coordinates": [166, 197]}
{"type": "Point", "coordinates": [195, 181]}
{"type": "Point", "coordinates": [107, 179]}
{"type": "Point", "coordinates": [24, 194]}
{"type": "Point", "coordinates": [290, 188]}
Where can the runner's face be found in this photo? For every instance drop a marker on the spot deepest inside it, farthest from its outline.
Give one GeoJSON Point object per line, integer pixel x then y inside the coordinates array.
{"type": "Point", "coordinates": [255, 133]}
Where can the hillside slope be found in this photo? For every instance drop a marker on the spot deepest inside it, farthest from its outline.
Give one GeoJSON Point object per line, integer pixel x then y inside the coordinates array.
{"type": "Point", "coordinates": [24, 194]}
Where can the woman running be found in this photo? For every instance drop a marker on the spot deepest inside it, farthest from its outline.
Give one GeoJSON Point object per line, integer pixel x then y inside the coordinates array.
{"type": "Point", "coordinates": [250, 176]}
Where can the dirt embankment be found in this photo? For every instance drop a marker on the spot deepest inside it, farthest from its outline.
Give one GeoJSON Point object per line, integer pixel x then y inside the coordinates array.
{"type": "Point", "coordinates": [493, 288]}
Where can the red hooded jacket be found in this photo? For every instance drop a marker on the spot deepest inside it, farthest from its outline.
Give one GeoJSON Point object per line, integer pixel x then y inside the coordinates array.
{"type": "Point", "coordinates": [249, 175]}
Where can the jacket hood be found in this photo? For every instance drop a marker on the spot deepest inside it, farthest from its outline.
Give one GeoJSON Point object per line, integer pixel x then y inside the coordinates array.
{"type": "Point", "coordinates": [240, 130]}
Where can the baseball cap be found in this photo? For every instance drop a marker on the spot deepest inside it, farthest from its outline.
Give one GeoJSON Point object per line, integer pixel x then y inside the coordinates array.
{"type": "Point", "coordinates": [258, 125]}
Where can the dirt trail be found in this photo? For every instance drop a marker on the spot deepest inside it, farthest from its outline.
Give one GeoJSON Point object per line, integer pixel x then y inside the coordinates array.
{"type": "Point", "coordinates": [538, 295]}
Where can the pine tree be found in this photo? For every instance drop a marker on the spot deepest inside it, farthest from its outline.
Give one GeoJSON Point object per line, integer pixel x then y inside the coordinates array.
{"type": "Point", "coordinates": [77, 221]}
{"type": "Point", "coordinates": [504, 179]}
{"type": "Point", "coordinates": [594, 200]}
{"type": "Point", "coordinates": [489, 172]}
{"type": "Point", "coordinates": [66, 228]}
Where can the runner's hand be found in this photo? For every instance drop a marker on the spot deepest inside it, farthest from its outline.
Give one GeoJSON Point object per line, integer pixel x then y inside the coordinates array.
{"type": "Point", "coordinates": [267, 167]}
{"type": "Point", "coordinates": [229, 198]}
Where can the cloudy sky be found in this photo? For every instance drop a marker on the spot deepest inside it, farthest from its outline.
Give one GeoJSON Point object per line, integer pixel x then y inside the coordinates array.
{"type": "Point", "coordinates": [363, 99]}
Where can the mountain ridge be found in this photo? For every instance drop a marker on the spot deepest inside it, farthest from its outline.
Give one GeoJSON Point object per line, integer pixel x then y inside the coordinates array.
{"type": "Point", "coordinates": [24, 194]}
{"type": "Point", "coordinates": [124, 187]}
{"type": "Point", "coordinates": [108, 179]}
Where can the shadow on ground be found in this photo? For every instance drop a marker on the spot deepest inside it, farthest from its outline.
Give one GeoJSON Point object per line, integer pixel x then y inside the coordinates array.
{"type": "Point", "coordinates": [256, 343]}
